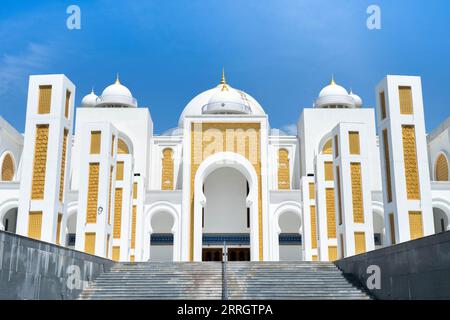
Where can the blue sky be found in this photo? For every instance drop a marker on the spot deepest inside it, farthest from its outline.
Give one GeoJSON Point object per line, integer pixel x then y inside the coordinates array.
{"type": "Point", "coordinates": [281, 52]}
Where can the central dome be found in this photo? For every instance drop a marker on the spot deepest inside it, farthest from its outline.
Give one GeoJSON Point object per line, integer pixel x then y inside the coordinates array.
{"type": "Point", "coordinates": [334, 96]}
{"type": "Point", "coordinates": [116, 95]}
{"type": "Point", "coordinates": [223, 99]}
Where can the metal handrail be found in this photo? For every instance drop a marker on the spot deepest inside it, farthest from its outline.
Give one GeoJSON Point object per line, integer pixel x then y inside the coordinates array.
{"type": "Point", "coordinates": [224, 272]}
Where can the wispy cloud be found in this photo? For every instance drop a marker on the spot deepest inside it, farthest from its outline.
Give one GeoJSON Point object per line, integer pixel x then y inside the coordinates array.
{"type": "Point", "coordinates": [16, 67]}
{"type": "Point", "coordinates": [290, 129]}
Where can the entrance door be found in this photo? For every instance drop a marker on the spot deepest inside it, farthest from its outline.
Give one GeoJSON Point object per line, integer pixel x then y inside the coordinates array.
{"type": "Point", "coordinates": [212, 254]}
{"type": "Point", "coordinates": [238, 254]}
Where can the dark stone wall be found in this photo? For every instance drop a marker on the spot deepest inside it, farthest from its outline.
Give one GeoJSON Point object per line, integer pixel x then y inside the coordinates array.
{"type": "Point", "coordinates": [418, 269]}
{"type": "Point", "coordinates": [32, 269]}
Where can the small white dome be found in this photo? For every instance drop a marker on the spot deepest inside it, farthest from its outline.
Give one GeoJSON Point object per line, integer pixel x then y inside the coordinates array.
{"type": "Point", "coordinates": [117, 89]}
{"type": "Point", "coordinates": [358, 100]}
{"type": "Point", "coordinates": [333, 89]}
{"type": "Point", "coordinates": [90, 100]}
{"type": "Point", "coordinates": [116, 96]}
{"type": "Point", "coordinates": [334, 96]}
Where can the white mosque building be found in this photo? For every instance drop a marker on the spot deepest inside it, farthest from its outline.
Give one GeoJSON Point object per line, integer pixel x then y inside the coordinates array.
{"type": "Point", "coordinates": [351, 180]}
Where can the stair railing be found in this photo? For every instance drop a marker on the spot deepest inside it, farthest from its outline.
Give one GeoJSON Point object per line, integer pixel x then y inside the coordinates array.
{"type": "Point", "coordinates": [224, 272]}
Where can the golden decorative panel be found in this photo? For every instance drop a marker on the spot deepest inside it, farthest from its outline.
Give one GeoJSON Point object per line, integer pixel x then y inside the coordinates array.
{"type": "Point", "coordinates": [415, 224]}
{"type": "Point", "coordinates": [283, 169]}
{"type": "Point", "coordinates": [116, 253]}
{"type": "Point", "coordinates": [338, 187]}
{"type": "Point", "coordinates": [111, 170]}
{"type": "Point", "coordinates": [133, 228]}
{"type": "Point", "coordinates": [410, 158]}
{"type": "Point", "coordinates": [119, 170]}
{"type": "Point", "coordinates": [328, 147]}
{"type": "Point", "coordinates": [135, 190]}
{"type": "Point", "coordinates": [45, 99]}
{"type": "Point", "coordinates": [314, 258]}
{"type": "Point", "coordinates": [89, 242]}
{"type": "Point", "coordinates": [392, 227]}
{"type": "Point", "coordinates": [40, 162]}
{"type": "Point", "coordinates": [313, 227]}
{"type": "Point", "coordinates": [117, 213]}
{"type": "Point", "coordinates": [66, 108]}
{"type": "Point", "coordinates": [7, 168]}
{"type": "Point", "coordinates": [387, 165]}
{"type": "Point", "coordinates": [336, 146]}
{"type": "Point", "coordinates": [331, 215]}
{"type": "Point", "coordinates": [312, 191]}
{"type": "Point", "coordinates": [58, 228]}
{"type": "Point", "coordinates": [211, 137]}
{"type": "Point", "coordinates": [132, 258]}
{"type": "Point", "coordinates": [360, 242]}
{"type": "Point", "coordinates": [383, 105]}
{"type": "Point", "coordinates": [96, 141]}
{"type": "Point", "coordinates": [441, 170]}
{"type": "Point", "coordinates": [122, 147]}
{"type": "Point", "coordinates": [167, 170]}
{"type": "Point", "coordinates": [35, 225]}
{"type": "Point", "coordinates": [406, 102]}
{"type": "Point", "coordinates": [328, 167]}
{"type": "Point", "coordinates": [332, 253]}
{"type": "Point", "coordinates": [357, 196]}
{"type": "Point", "coordinates": [353, 142]}
{"type": "Point", "coordinates": [63, 165]}
{"type": "Point", "coordinates": [92, 196]}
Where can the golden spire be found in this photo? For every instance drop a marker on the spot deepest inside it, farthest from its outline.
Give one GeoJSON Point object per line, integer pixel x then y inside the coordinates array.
{"type": "Point", "coordinates": [223, 81]}
{"type": "Point", "coordinates": [332, 80]}
{"type": "Point", "coordinates": [117, 79]}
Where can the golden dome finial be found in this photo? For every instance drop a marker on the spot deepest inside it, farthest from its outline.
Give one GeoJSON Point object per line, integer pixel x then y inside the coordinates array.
{"type": "Point", "coordinates": [332, 80]}
{"type": "Point", "coordinates": [223, 81]}
{"type": "Point", "coordinates": [117, 78]}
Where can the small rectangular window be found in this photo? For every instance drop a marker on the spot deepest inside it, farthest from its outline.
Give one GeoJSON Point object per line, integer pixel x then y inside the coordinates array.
{"type": "Point", "coordinates": [248, 217]}
{"type": "Point", "coordinates": [96, 140]}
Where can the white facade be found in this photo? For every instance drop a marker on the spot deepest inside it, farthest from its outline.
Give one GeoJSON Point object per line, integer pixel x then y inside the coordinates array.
{"type": "Point", "coordinates": [223, 176]}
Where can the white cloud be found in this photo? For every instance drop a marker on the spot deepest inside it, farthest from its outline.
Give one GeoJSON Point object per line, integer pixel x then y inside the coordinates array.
{"type": "Point", "coordinates": [14, 68]}
{"type": "Point", "coordinates": [290, 129]}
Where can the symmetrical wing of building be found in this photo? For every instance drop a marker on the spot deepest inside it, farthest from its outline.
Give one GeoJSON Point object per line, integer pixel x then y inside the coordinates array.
{"type": "Point", "coordinates": [351, 180]}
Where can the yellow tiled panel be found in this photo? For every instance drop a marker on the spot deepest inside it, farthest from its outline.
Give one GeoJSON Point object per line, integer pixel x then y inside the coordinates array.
{"type": "Point", "coordinates": [133, 228]}
{"type": "Point", "coordinates": [235, 137]}
{"type": "Point", "coordinates": [353, 141]}
{"type": "Point", "coordinates": [360, 242]}
{"type": "Point", "coordinates": [392, 227]}
{"type": "Point", "coordinates": [314, 258]}
{"type": "Point", "coordinates": [7, 168]}
{"type": "Point", "coordinates": [117, 213]}
{"type": "Point", "coordinates": [328, 166]}
{"type": "Point", "coordinates": [406, 103]}
{"type": "Point", "coordinates": [313, 227]}
{"type": "Point", "coordinates": [119, 171]}
{"type": "Point", "coordinates": [336, 146]}
{"type": "Point", "coordinates": [58, 229]}
{"type": "Point", "coordinates": [135, 190]}
{"type": "Point", "coordinates": [283, 169]}
{"type": "Point", "coordinates": [167, 170]}
{"type": "Point", "coordinates": [89, 242]}
{"type": "Point", "coordinates": [96, 141]}
{"type": "Point", "coordinates": [92, 196]}
{"type": "Point", "coordinates": [66, 109]}
{"type": "Point", "coordinates": [116, 253]}
{"type": "Point", "coordinates": [338, 186]}
{"type": "Point", "coordinates": [328, 147]}
{"type": "Point", "coordinates": [410, 158]}
{"type": "Point", "coordinates": [441, 168]}
{"type": "Point", "coordinates": [312, 191]}
{"type": "Point", "coordinates": [332, 253]}
{"type": "Point", "coordinates": [132, 258]}
{"type": "Point", "coordinates": [122, 147]}
{"type": "Point", "coordinates": [331, 215]}
{"type": "Point", "coordinates": [40, 162]}
{"type": "Point", "coordinates": [45, 99]}
{"type": "Point", "coordinates": [383, 105]}
{"type": "Point", "coordinates": [63, 165]}
{"type": "Point", "coordinates": [111, 170]}
{"type": "Point", "coordinates": [415, 224]}
{"type": "Point", "coordinates": [35, 225]}
{"type": "Point", "coordinates": [357, 196]}
{"type": "Point", "coordinates": [387, 165]}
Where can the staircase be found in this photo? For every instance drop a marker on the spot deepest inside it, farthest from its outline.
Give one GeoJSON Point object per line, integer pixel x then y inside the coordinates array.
{"type": "Point", "coordinates": [206, 280]}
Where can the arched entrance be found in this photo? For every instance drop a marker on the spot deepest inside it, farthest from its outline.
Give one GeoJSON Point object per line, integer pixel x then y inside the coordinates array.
{"type": "Point", "coordinates": [440, 220]}
{"type": "Point", "coordinates": [246, 207]}
{"type": "Point", "coordinates": [378, 228]}
{"type": "Point", "coordinates": [287, 233]}
{"type": "Point", "coordinates": [9, 220]}
{"type": "Point", "coordinates": [225, 216]}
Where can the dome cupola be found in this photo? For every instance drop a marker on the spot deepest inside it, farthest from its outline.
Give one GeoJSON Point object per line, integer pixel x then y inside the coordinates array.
{"type": "Point", "coordinates": [90, 100]}
{"type": "Point", "coordinates": [116, 96]}
{"type": "Point", "coordinates": [334, 96]}
{"type": "Point", "coordinates": [358, 100]}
